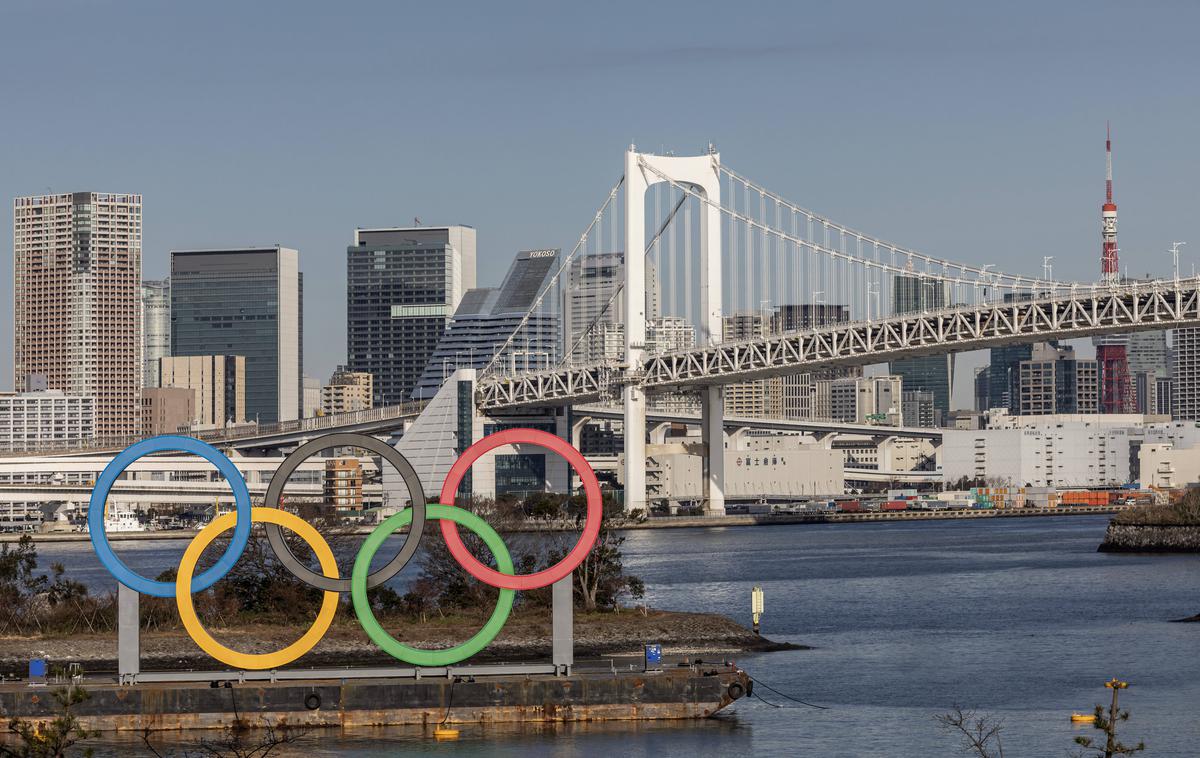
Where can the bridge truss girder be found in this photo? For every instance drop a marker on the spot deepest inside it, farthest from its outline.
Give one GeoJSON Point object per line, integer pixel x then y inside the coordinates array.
{"type": "Point", "coordinates": [1070, 315]}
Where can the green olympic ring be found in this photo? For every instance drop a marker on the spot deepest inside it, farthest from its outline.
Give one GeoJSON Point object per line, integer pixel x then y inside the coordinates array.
{"type": "Point", "coordinates": [418, 656]}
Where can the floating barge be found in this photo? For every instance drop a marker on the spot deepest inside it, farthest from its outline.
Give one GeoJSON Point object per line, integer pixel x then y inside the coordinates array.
{"type": "Point", "coordinates": [457, 696]}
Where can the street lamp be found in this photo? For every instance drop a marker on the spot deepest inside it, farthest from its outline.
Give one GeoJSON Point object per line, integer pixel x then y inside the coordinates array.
{"type": "Point", "coordinates": [1175, 258]}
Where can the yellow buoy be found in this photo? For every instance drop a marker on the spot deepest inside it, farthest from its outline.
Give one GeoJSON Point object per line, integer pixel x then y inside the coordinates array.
{"type": "Point", "coordinates": [442, 733]}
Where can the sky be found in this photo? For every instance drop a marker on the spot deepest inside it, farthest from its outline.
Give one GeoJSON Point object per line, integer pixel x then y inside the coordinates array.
{"type": "Point", "coordinates": [970, 131]}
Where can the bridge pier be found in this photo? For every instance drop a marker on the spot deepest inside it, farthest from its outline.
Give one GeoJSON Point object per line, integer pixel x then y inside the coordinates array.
{"type": "Point", "coordinates": [712, 431]}
{"type": "Point", "coordinates": [578, 423]}
{"type": "Point", "coordinates": [635, 449]}
{"type": "Point", "coordinates": [658, 434]}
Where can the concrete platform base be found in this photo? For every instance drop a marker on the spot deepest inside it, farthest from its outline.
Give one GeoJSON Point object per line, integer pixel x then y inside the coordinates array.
{"type": "Point", "coordinates": [684, 692]}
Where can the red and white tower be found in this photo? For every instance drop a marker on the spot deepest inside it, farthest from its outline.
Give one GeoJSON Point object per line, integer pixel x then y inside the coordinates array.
{"type": "Point", "coordinates": [1116, 394]}
{"type": "Point", "coordinates": [1109, 265]}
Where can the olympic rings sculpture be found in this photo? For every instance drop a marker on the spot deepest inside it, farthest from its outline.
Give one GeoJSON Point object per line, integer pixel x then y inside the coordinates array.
{"type": "Point", "coordinates": [275, 520]}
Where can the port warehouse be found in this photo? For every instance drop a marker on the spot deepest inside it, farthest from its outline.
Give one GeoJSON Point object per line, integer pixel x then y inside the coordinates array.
{"type": "Point", "coordinates": [973, 499]}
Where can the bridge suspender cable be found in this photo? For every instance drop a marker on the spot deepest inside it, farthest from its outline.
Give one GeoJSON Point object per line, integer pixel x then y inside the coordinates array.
{"type": "Point", "coordinates": [554, 279]}
{"type": "Point", "coordinates": [992, 278]}
{"type": "Point", "coordinates": [621, 286]}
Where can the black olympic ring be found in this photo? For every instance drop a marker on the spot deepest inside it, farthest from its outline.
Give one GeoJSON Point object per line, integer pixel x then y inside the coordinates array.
{"type": "Point", "coordinates": [346, 439]}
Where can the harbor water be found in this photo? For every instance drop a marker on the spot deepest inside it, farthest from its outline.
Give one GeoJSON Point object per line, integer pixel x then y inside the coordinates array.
{"type": "Point", "coordinates": [1018, 618]}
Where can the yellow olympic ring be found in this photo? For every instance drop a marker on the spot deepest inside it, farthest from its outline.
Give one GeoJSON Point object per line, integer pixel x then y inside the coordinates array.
{"type": "Point", "coordinates": [187, 612]}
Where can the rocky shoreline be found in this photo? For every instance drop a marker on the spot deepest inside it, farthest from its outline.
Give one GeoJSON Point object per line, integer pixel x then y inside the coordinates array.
{"type": "Point", "coordinates": [526, 637]}
{"type": "Point", "coordinates": [1151, 538]}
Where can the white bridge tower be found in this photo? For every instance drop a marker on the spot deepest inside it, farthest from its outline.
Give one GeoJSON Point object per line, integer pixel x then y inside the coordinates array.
{"type": "Point", "coordinates": [702, 173]}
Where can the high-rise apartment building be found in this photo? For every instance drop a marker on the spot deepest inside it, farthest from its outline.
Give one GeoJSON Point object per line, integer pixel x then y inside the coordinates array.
{"type": "Point", "coordinates": [45, 419]}
{"type": "Point", "coordinates": [342, 484]}
{"type": "Point", "coordinates": [246, 302]}
{"type": "Point", "coordinates": [594, 304]}
{"type": "Point", "coordinates": [799, 390]}
{"type": "Point", "coordinates": [1147, 351]}
{"type": "Point", "coordinates": [156, 328]}
{"type": "Point", "coordinates": [77, 273]}
{"type": "Point", "coordinates": [488, 317]}
{"type": "Point", "coordinates": [759, 398]}
{"type": "Point", "coordinates": [861, 400]}
{"type": "Point", "coordinates": [219, 384]}
{"type": "Point", "coordinates": [917, 409]}
{"type": "Point", "coordinates": [1054, 381]}
{"type": "Point", "coordinates": [402, 286]}
{"type": "Point", "coordinates": [347, 391]}
{"type": "Point", "coordinates": [666, 334]}
{"type": "Point", "coordinates": [1148, 398]}
{"type": "Point", "coordinates": [593, 296]}
{"type": "Point", "coordinates": [1164, 395]}
{"type": "Point", "coordinates": [935, 373]}
{"type": "Point", "coordinates": [1185, 374]}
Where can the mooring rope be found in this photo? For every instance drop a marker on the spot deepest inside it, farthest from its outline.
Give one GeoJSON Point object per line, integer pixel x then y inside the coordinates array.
{"type": "Point", "coordinates": [783, 695]}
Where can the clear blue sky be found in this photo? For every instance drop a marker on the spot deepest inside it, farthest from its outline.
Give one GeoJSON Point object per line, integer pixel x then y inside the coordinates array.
{"type": "Point", "coordinates": [968, 130]}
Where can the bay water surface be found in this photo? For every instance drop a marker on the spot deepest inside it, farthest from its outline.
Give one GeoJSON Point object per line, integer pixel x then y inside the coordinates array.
{"type": "Point", "coordinates": [1019, 618]}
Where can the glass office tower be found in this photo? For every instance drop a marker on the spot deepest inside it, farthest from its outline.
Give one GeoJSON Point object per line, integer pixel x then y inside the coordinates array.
{"type": "Point", "coordinates": [488, 317]}
{"type": "Point", "coordinates": [402, 285]}
{"type": "Point", "coordinates": [244, 302]}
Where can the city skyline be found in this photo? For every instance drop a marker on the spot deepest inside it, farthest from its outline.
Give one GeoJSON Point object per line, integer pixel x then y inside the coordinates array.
{"type": "Point", "coordinates": [943, 174]}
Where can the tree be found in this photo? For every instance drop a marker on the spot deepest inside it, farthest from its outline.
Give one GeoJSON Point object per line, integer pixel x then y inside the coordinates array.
{"type": "Point", "coordinates": [50, 739]}
{"type": "Point", "coordinates": [602, 580]}
{"type": "Point", "coordinates": [977, 732]}
{"type": "Point", "coordinates": [1107, 723]}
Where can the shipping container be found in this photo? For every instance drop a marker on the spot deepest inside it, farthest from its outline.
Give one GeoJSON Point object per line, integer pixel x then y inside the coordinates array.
{"type": "Point", "coordinates": [895, 505]}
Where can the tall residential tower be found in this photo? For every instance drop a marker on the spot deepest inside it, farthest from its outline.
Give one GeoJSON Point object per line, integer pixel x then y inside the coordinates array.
{"type": "Point", "coordinates": [77, 276]}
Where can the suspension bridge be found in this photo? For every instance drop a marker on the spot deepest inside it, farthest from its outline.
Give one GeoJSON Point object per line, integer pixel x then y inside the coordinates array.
{"type": "Point", "coordinates": [736, 284]}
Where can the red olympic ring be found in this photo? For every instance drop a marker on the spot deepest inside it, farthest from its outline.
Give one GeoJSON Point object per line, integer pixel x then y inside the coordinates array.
{"type": "Point", "coordinates": [591, 526]}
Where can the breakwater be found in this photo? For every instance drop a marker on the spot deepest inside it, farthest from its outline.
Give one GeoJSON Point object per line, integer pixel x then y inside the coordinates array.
{"type": "Point", "coordinates": [1151, 538]}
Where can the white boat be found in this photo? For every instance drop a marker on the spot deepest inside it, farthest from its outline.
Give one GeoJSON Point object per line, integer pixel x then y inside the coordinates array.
{"type": "Point", "coordinates": [122, 521]}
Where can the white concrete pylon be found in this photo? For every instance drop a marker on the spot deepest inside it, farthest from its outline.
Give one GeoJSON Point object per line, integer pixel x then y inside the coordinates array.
{"type": "Point", "coordinates": [701, 172]}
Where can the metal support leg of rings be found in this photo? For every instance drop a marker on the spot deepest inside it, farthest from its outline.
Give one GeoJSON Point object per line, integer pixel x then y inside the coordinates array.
{"type": "Point", "coordinates": [129, 651]}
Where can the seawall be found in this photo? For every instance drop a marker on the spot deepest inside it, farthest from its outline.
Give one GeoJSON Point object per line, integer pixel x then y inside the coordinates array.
{"type": "Point", "coordinates": [674, 522]}
{"type": "Point", "coordinates": [673, 693]}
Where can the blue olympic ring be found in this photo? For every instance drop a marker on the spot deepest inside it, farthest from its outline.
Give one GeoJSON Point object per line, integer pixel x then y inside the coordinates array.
{"type": "Point", "coordinates": [104, 551]}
